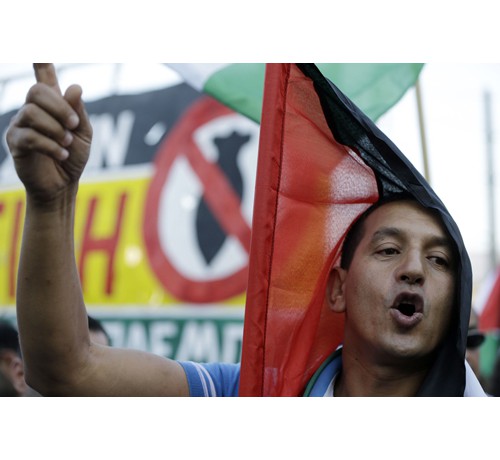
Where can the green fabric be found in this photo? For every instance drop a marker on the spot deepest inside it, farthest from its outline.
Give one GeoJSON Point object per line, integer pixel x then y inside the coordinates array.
{"type": "Point", "coordinates": [375, 88]}
{"type": "Point", "coordinates": [240, 87]}
{"type": "Point", "coordinates": [488, 354]}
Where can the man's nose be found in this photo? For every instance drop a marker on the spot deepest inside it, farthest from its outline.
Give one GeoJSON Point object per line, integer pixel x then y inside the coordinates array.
{"type": "Point", "coordinates": [411, 269]}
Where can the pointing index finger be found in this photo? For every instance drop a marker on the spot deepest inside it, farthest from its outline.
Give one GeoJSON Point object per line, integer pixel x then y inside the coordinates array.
{"type": "Point", "coordinates": [46, 73]}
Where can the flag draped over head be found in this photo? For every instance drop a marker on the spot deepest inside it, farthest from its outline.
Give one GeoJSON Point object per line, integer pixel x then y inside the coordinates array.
{"type": "Point", "coordinates": [374, 87]}
{"type": "Point", "coordinates": [321, 164]}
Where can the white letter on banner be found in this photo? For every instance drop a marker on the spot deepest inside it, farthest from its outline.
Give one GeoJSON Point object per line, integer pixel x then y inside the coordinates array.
{"type": "Point", "coordinates": [137, 336]}
{"type": "Point", "coordinates": [110, 142]}
{"type": "Point", "coordinates": [160, 331]}
{"type": "Point", "coordinates": [199, 342]}
{"type": "Point", "coordinates": [232, 337]}
{"type": "Point", "coordinates": [116, 331]}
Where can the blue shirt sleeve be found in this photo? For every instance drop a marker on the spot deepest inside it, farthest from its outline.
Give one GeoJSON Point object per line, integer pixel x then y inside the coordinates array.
{"type": "Point", "coordinates": [213, 379]}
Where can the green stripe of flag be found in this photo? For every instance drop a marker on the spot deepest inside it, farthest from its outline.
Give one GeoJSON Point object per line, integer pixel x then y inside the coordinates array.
{"type": "Point", "coordinates": [373, 87]}
{"type": "Point", "coordinates": [240, 87]}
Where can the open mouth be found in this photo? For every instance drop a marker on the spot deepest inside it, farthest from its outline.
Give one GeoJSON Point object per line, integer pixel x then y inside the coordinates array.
{"type": "Point", "coordinates": [408, 304]}
{"type": "Point", "coordinates": [406, 309]}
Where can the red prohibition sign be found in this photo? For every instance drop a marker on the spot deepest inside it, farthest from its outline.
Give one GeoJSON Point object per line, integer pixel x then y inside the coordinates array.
{"type": "Point", "coordinates": [217, 192]}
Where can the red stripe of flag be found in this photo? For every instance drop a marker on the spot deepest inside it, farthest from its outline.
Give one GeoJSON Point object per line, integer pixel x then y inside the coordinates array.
{"type": "Point", "coordinates": [489, 320]}
{"type": "Point", "coordinates": [309, 189]}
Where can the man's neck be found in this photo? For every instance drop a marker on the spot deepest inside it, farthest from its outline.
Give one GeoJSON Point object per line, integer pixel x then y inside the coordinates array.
{"type": "Point", "coordinates": [359, 379]}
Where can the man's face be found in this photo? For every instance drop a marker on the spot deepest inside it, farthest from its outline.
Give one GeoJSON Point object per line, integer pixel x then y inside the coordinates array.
{"type": "Point", "coordinates": [398, 292]}
{"type": "Point", "coordinates": [12, 368]}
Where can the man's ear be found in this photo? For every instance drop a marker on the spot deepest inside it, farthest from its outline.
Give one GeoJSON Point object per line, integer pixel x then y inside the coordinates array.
{"type": "Point", "coordinates": [335, 290]}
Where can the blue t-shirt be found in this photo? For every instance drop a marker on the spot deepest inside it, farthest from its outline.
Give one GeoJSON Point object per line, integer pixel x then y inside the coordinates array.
{"type": "Point", "coordinates": [223, 379]}
{"type": "Point", "coordinates": [214, 379]}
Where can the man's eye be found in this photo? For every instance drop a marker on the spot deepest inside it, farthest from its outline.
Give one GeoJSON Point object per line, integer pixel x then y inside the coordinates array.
{"type": "Point", "coordinates": [388, 251]}
{"type": "Point", "coordinates": [440, 261]}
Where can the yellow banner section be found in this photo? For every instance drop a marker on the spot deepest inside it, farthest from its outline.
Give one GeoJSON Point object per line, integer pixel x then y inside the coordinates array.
{"type": "Point", "coordinates": [12, 205]}
{"type": "Point", "coordinates": [109, 245]}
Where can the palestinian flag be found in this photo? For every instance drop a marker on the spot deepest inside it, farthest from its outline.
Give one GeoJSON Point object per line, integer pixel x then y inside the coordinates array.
{"type": "Point", "coordinates": [321, 164]}
{"type": "Point", "coordinates": [375, 88]}
{"type": "Point", "coordinates": [489, 304]}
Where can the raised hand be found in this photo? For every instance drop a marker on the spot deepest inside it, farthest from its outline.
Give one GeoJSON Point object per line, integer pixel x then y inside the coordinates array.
{"type": "Point", "coordinates": [50, 137]}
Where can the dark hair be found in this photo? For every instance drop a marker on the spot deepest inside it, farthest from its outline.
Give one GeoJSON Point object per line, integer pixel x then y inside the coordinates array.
{"type": "Point", "coordinates": [9, 337]}
{"type": "Point", "coordinates": [353, 237]}
{"type": "Point", "coordinates": [96, 325]}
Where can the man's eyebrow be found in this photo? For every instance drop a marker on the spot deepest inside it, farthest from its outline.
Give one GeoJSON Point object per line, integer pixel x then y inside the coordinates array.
{"type": "Point", "coordinates": [385, 232]}
{"type": "Point", "coordinates": [435, 240]}
{"type": "Point", "coordinates": [442, 241]}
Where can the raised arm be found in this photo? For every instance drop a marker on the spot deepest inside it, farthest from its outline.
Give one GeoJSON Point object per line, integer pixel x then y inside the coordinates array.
{"type": "Point", "coordinates": [50, 139]}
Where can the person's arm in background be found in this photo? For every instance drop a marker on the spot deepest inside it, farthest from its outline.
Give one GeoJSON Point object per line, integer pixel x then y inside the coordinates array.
{"type": "Point", "coordinates": [50, 140]}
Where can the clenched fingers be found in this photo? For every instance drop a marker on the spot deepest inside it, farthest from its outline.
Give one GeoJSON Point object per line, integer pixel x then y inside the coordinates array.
{"type": "Point", "coordinates": [44, 124]}
{"type": "Point", "coordinates": [24, 140]}
{"type": "Point", "coordinates": [34, 117]}
{"type": "Point", "coordinates": [54, 104]}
